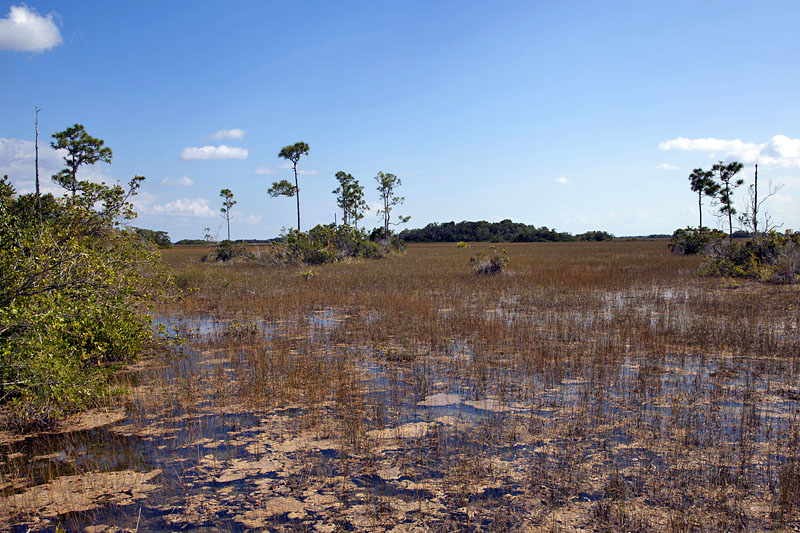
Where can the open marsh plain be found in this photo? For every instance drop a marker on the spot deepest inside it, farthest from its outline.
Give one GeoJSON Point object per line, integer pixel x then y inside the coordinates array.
{"type": "Point", "coordinates": [590, 386]}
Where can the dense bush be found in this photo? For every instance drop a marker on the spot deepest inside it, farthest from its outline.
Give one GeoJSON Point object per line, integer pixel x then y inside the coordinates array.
{"type": "Point", "coordinates": [771, 257]}
{"type": "Point", "coordinates": [329, 243]}
{"type": "Point", "coordinates": [492, 263]}
{"type": "Point", "coordinates": [228, 250]}
{"type": "Point", "coordinates": [159, 238]}
{"type": "Point", "coordinates": [691, 241]}
{"type": "Point", "coordinates": [503, 231]}
{"type": "Point", "coordinates": [72, 294]}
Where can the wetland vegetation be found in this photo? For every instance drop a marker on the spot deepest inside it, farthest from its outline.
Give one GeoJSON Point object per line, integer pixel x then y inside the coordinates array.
{"type": "Point", "coordinates": [589, 385]}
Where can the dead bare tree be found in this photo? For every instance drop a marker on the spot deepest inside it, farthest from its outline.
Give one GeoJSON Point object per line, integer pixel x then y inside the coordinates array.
{"type": "Point", "coordinates": [753, 209]}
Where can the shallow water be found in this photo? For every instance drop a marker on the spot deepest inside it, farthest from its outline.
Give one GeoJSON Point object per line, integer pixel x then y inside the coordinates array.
{"type": "Point", "coordinates": [427, 425]}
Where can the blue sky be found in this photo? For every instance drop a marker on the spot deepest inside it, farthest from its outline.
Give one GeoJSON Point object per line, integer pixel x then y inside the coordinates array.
{"type": "Point", "coordinates": [572, 115]}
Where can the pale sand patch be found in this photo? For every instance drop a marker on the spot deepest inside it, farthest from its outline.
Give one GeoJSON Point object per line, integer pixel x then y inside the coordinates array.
{"type": "Point", "coordinates": [257, 518]}
{"type": "Point", "coordinates": [412, 430]}
{"type": "Point", "coordinates": [389, 474]}
{"type": "Point", "coordinates": [440, 400]}
{"type": "Point", "coordinates": [489, 404]}
{"type": "Point", "coordinates": [85, 492]}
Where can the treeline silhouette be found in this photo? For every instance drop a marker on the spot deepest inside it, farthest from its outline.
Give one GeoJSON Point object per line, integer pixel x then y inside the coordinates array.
{"type": "Point", "coordinates": [503, 231]}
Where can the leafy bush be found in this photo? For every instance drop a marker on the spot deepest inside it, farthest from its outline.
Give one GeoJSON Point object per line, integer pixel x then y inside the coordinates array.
{"type": "Point", "coordinates": [691, 241]}
{"type": "Point", "coordinates": [227, 250]}
{"type": "Point", "coordinates": [772, 257]}
{"type": "Point", "coordinates": [328, 243]}
{"type": "Point", "coordinates": [73, 291]}
{"type": "Point", "coordinates": [159, 238]}
{"type": "Point", "coordinates": [492, 263]}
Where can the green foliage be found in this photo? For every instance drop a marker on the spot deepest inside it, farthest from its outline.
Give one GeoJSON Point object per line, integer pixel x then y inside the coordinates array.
{"type": "Point", "coordinates": [725, 174]}
{"type": "Point", "coordinates": [82, 149]}
{"type": "Point", "coordinates": [492, 263]}
{"type": "Point", "coordinates": [504, 231]}
{"type": "Point", "coordinates": [596, 236]}
{"type": "Point", "coordinates": [770, 257]}
{"type": "Point", "coordinates": [350, 198]}
{"type": "Point", "coordinates": [281, 188]}
{"type": "Point", "coordinates": [72, 298]}
{"type": "Point", "coordinates": [228, 250]}
{"type": "Point", "coordinates": [702, 182]}
{"type": "Point", "coordinates": [328, 243]}
{"type": "Point", "coordinates": [292, 153]}
{"type": "Point", "coordinates": [691, 241]}
{"type": "Point", "coordinates": [159, 238]}
{"type": "Point", "coordinates": [225, 211]}
{"type": "Point", "coordinates": [387, 183]}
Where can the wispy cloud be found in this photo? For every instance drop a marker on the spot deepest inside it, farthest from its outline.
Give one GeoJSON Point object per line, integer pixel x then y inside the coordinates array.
{"type": "Point", "coordinates": [253, 219]}
{"type": "Point", "coordinates": [779, 151]}
{"type": "Point", "coordinates": [562, 180]}
{"type": "Point", "coordinates": [183, 181]}
{"type": "Point", "coordinates": [25, 30]}
{"type": "Point", "coordinates": [667, 166]}
{"type": "Point", "coordinates": [266, 170]}
{"type": "Point", "coordinates": [214, 152]}
{"type": "Point", "coordinates": [228, 134]}
{"type": "Point", "coordinates": [193, 207]}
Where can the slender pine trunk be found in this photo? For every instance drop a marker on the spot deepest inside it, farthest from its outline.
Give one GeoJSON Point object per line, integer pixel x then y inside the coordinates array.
{"type": "Point", "coordinates": [730, 215]}
{"type": "Point", "coordinates": [297, 195]}
{"type": "Point", "coordinates": [700, 208]}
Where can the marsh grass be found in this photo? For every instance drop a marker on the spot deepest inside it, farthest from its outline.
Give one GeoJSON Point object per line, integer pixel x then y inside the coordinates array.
{"type": "Point", "coordinates": [590, 385]}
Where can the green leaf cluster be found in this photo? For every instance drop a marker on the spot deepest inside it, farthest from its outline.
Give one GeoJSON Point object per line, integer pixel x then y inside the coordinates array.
{"type": "Point", "coordinates": [692, 241]}
{"type": "Point", "coordinates": [770, 257]}
{"type": "Point", "coordinates": [327, 244]}
{"type": "Point", "coordinates": [74, 288]}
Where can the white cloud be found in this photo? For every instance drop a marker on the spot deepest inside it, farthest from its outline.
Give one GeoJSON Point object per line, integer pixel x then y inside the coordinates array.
{"type": "Point", "coordinates": [214, 152]}
{"type": "Point", "coordinates": [183, 181]}
{"type": "Point", "coordinates": [266, 169]}
{"type": "Point", "coordinates": [253, 219]}
{"type": "Point", "coordinates": [228, 134]}
{"type": "Point", "coordinates": [666, 166]}
{"type": "Point", "coordinates": [562, 180]}
{"type": "Point", "coordinates": [26, 30]}
{"type": "Point", "coordinates": [194, 207]}
{"type": "Point", "coordinates": [779, 151]}
{"type": "Point", "coordinates": [782, 199]}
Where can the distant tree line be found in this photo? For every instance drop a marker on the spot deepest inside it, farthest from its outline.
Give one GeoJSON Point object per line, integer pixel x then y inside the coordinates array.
{"type": "Point", "coordinates": [503, 231]}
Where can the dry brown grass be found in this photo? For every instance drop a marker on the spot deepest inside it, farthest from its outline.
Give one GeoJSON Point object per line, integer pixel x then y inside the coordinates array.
{"type": "Point", "coordinates": [591, 385]}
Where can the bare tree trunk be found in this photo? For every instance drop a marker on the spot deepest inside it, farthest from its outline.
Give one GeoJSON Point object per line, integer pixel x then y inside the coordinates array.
{"type": "Point", "coordinates": [730, 215]}
{"type": "Point", "coordinates": [755, 203]}
{"type": "Point", "coordinates": [297, 195]}
{"type": "Point", "coordinates": [386, 218]}
{"type": "Point", "coordinates": [38, 194]}
{"type": "Point", "coordinates": [700, 208]}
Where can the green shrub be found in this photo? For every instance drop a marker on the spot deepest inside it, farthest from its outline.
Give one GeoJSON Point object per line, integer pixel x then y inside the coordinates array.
{"type": "Point", "coordinates": [772, 258]}
{"type": "Point", "coordinates": [227, 250]}
{"type": "Point", "coordinates": [691, 241]}
{"type": "Point", "coordinates": [73, 296]}
{"type": "Point", "coordinates": [492, 263]}
{"type": "Point", "coordinates": [328, 243]}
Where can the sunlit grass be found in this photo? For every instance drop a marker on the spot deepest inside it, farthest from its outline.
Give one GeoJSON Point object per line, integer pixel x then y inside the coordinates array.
{"type": "Point", "coordinates": [595, 385]}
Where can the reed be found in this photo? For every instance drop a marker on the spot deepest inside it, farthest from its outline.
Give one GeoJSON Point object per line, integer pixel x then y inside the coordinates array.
{"type": "Point", "coordinates": [589, 385]}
